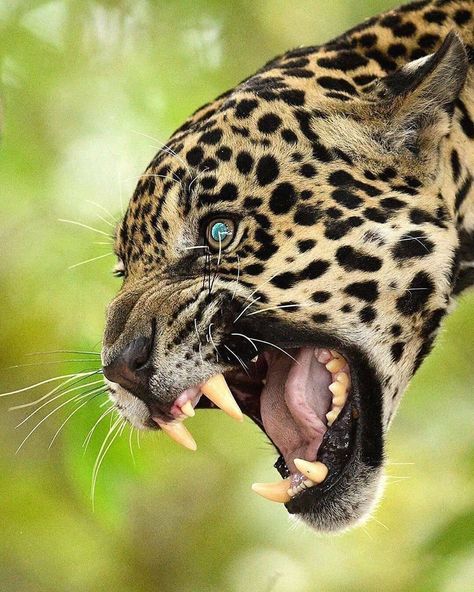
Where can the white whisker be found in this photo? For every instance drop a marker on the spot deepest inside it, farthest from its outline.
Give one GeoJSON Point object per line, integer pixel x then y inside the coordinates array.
{"type": "Point", "coordinates": [83, 226]}
{"type": "Point", "coordinates": [88, 438]}
{"type": "Point", "coordinates": [247, 307]}
{"type": "Point", "coordinates": [90, 260]}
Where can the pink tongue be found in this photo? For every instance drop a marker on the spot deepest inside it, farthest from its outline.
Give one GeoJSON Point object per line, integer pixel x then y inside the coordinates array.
{"type": "Point", "coordinates": [294, 402]}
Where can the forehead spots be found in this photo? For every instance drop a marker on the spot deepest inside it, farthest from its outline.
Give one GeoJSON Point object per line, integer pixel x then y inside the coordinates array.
{"type": "Point", "coordinates": [195, 155]}
{"type": "Point", "coordinates": [244, 162]}
{"type": "Point", "coordinates": [353, 259]}
{"type": "Point", "coordinates": [343, 60]}
{"type": "Point", "coordinates": [367, 291]}
{"type": "Point", "coordinates": [269, 123]}
{"type": "Point", "coordinates": [414, 244]}
{"type": "Point", "coordinates": [283, 198]}
{"type": "Point", "coordinates": [417, 294]}
{"type": "Point", "coordinates": [267, 170]}
{"type": "Point", "coordinates": [245, 107]}
{"type": "Point", "coordinates": [307, 215]}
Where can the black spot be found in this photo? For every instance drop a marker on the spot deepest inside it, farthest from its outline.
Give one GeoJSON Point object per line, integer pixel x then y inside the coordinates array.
{"type": "Point", "coordinates": [320, 318]}
{"type": "Point", "coordinates": [283, 198]}
{"type": "Point", "coordinates": [346, 198]}
{"type": "Point", "coordinates": [364, 79]}
{"type": "Point", "coordinates": [417, 295]}
{"type": "Point", "coordinates": [334, 213]}
{"type": "Point", "coordinates": [307, 170]}
{"type": "Point", "coordinates": [367, 314]}
{"type": "Point", "coordinates": [340, 177]}
{"type": "Point", "coordinates": [314, 270]}
{"type": "Point", "coordinates": [320, 296]}
{"type": "Point", "coordinates": [346, 308]}
{"type": "Point", "coordinates": [244, 162]}
{"type": "Point", "coordinates": [267, 170]}
{"type": "Point", "coordinates": [224, 153]}
{"type": "Point", "coordinates": [428, 41]}
{"type": "Point", "coordinates": [299, 73]}
{"type": "Point", "coordinates": [351, 259]}
{"type": "Point", "coordinates": [337, 84]}
{"type": "Point", "coordinates": [375, 215]}
{"type": "Point", "coordinates": [396, 330]}
{"type": "Point", "coordinates": [289, 136]}
{"type": "Point", "coordinates": [284, 280]}
{"type": "Point", "coordinates": [397, 350]}
{"type": "Point", "coordinates": [212, 136]}
{"type": "Point", "coordinates": [367, 40]}
{"type": "Point", "coordinates": [462, 16]}
{"type": "Point", "coordinates": [412, 245]}
{"type": "Point", "coordinates": [392, 203]}
{"type": "Point", "coordinates": [293, 97]}
{"type": "Point", "coordinates": [463, 192]}
{"type": "Point", "coordinates": [208, 182]}
{"type": "Point", "coordinates": [252, 202]}
{"type": "Point", "coordinates": [344, 60]}
{"type": "Point", "coordinates": [367, 291]}
{"type": "Point", "coordinates": [307, 215]}
{"type": "Point", "coordinates": [455, 165]}
{"type": "Point", "coordinates": [269, 123]}
{"type": "Point", "coordinates": [228, 192]}
{"type": "Point", "coordinates": [254, 269]}
{"type": "Point", "coordinates": [266, 251]}
{"type": "Point", "coordinates": [435, 16]}
{"type": "Point", "coordinates": [245, 107]}
{"type": "Point", "coordinates": [306, 245]}
{"type": "Point", "coordinates": [404, 30]}
{"type": "Point", "coordinates": [396, 50]}
{"type": "Point", "coordinates": [194, 156]}
{"type": "Point", "coordinates": [387, 174]}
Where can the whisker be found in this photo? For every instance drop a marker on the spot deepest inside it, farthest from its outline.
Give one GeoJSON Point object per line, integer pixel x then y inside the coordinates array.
{"type": "Point", "coordinates": [237, 279]}
{"type": "Point", "coordinates": [199, 339]}
{"type": "Point", "coordinates": [165, 148]}
{"type": "Point", "coordinates": [275, 346]}
{"type": "Point", "coordinates": [47, 381]}
{"type": "Point", "coordinates": [130, 443]}
{"type": "Point", "coordinates": [247, 307]}
{"type": "Point", "coordinates": [262, 284]}
{"type": "Point", "coordinates": [57, 388]}
{"type": "Point", "coordinates": [278, 307]}
{"type": "Point", "coordinates": [90, 260]}
{"type": "Point", "coordinates": [244, 366]}
{"type": "Point", "coordinates": [47, 363]}
{"type": "Point", "coordinates": [84, 226]}
{"type": "Point", "coordinates": [245, 337]}
{"type": "Point", "coordinates": [55, 398]}
{"type": "Point", "coordinates": [55, 410]}
{"type": "Point", "coordinates": [212, 341]}
{"type": "Point", "coordinates": [100, 392]}
{"type": "Point", "coordinates": [63, 351]}
{"type": "Point", "coordinates": [102, 453]}
{"type": "Point", "coordinates": [104, 209]}
{"type": "Point", "coordinates": [88, 438]}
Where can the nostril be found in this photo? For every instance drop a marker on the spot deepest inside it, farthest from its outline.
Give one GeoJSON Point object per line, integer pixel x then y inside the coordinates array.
{"type": "Point", "coordinates": [137, 353]}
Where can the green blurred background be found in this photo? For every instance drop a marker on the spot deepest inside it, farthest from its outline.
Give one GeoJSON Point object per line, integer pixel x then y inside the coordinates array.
{"type": "Point", "coordinates": [89, 89]}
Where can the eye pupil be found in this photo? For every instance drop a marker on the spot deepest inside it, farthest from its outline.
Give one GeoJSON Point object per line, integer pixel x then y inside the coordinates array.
{"type": "Point", "coordinates": [219, 231]}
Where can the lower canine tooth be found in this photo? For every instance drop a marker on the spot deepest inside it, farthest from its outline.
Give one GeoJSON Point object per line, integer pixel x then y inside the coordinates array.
{"type": "Point", "coordinates": [316, 471]}
{"type": "Point", "coordinates": [188, 409]}
{"type": "Point", "coordinates": [218, 392]}
{"type": "Point", "coordinates": [177, 432]}
{"type": "Point", "coordinates": [275, 492]}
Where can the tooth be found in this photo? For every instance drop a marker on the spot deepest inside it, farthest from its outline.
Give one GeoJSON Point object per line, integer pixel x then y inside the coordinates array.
{"type": "Point", "coordinates": [316, 471]}
{"type": "Point", "coordinates": [275, 492]}
{"type": "Point", "coordinates": [332, 415]}
{"type": "Point", "coordinates": [339, 392]}
{"type": "Point", "coordinates": [323, 356]}
{"type": "Point", "coordinates": [177, 432]}
{"type": "Point", "coordinates": [343, 378]}
{"type": "Point", "coordinates": [188, 409]}
{"type": "Point", "coordinates": [336, 364]}
{"type": "Point", "coordinates": [218, 392]}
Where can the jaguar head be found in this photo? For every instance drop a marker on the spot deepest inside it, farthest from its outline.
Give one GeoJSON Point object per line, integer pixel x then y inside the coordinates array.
{"type": "Point", "coordinates": [290, 254]}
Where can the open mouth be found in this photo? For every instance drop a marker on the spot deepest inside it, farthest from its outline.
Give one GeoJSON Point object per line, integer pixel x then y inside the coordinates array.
{"type": "Point", "coordinates": [301, 398]}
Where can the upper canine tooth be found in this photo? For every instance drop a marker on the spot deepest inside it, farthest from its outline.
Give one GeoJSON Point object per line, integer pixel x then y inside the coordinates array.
{"type": "Point", "coordinates": [336, 364]}
{"type": "Point", "coordinates": [331, 416]}
{"type": "Point", "coordinates": [316, 471]}
{"type": "Point", "coordinates": [275, 492]}
{"type": "Point", "coordinates": [177, 432]}
{"type": "Point", "coordinates": [218, 392]}
{"type": "Point", "coordinates": [188, 409]}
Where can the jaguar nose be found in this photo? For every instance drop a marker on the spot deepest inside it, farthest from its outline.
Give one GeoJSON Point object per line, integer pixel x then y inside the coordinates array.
{"type": "Point", "coordinates": [130, 367]}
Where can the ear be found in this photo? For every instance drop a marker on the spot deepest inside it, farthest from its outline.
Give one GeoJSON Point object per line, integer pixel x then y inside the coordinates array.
{"type": "Point", "coordinates": [418, 100]}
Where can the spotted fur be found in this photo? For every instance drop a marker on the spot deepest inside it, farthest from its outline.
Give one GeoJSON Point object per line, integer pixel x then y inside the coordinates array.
{"type": "Point", "coordinates": [348, 168]}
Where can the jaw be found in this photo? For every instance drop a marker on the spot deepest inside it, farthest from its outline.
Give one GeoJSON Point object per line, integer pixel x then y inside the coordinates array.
{"type": "Point", "coordinates": [288, 392]}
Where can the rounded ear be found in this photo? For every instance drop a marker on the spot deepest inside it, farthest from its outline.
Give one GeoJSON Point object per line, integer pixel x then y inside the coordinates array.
{"type": "Point", "coordinates": [419, 98]}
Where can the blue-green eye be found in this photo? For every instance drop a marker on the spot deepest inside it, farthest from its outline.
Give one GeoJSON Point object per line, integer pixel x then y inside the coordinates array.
{"type": "Point", "coordinates": [220, 233]}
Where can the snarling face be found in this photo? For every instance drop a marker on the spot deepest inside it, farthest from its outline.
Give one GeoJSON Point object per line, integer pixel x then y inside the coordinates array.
{"type": "Point", "coordinates": [289, 256]}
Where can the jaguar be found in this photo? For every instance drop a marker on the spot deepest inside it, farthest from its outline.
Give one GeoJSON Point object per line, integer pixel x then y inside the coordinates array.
{"type": "Point", "coordinates": [291, 251]}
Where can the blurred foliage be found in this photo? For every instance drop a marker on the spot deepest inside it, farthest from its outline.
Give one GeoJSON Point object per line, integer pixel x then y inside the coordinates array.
{"type": "Point", "coordinates": [89, 91]}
